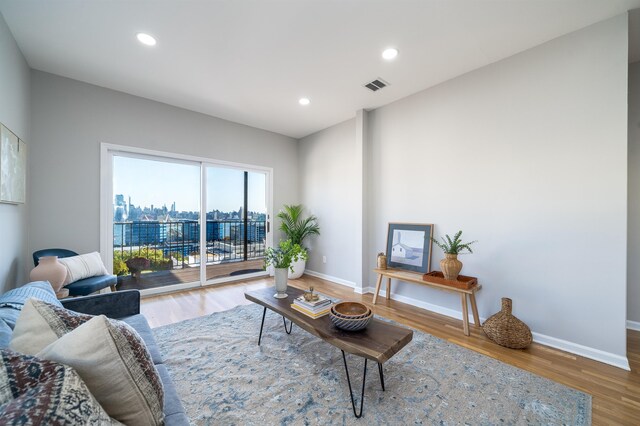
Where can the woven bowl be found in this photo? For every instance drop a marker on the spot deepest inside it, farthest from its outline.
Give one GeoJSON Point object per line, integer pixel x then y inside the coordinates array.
{"type": "Point", "coordinates": [350, 316]}
{"type": "Point", "coordinates": [351, 324]}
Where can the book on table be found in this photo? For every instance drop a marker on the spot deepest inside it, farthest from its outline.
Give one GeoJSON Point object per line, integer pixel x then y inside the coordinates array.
{"type": "Point", "coordinates": [313, 309]}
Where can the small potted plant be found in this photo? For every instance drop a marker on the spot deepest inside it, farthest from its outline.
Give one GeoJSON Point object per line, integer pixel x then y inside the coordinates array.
{"type": "Point", "coordinates": [297, 228]}
{"type": "Point", "coordinates": [450, 265]}
{"type": "Point", "coordinates": [282, 259]}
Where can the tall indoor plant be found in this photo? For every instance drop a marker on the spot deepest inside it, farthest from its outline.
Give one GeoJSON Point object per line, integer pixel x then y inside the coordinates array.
{"type": "Point", "coordinates": [282, 258]}
{"type": "Point", "coordinates": [297, 228]}
{"type": "Point", "coordinates": [452, 247]}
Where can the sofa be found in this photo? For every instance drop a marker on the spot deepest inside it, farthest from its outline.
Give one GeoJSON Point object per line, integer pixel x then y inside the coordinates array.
{"type": "Point", "coordinates": [122, 305]}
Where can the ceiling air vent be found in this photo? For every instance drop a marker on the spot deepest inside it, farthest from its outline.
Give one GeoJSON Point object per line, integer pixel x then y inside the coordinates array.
{"type": "Point", "coordinates": [376, 85]}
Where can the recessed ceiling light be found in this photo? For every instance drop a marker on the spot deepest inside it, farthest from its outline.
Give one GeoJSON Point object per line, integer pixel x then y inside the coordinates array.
{"type": "Point", "coordinates": [304, 101]}
{"type": "Point", "coordinates": [390, 54]}
{"type": "Point", "coordinates": [146, 39]}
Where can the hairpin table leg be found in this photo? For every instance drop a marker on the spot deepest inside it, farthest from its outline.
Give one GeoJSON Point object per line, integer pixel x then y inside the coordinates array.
{"type": "Point", "coordinates": [364, 376]}
{"type": "Point", "coordinates": [285, 325]}
{"type": "Point", "coordinates": [381, 375]}
{"type": "Point", "coordinates": [262, 325]}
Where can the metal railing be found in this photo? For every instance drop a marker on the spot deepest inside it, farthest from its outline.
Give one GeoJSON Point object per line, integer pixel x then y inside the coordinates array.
{"type": "Point", "coordinates": [170, 245]}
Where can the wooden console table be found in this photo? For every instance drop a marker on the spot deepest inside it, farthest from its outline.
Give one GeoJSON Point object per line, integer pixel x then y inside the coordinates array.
{"type": "Point", "coordinates": [416, 278]}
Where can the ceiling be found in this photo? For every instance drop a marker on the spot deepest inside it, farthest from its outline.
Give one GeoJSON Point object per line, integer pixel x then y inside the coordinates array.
{"type": "Point", "coordinates": [249, 61]}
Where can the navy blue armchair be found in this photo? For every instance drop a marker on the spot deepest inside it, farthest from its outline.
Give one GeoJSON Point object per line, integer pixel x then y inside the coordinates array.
{"type": "Point", "coordinates": [80, 287]}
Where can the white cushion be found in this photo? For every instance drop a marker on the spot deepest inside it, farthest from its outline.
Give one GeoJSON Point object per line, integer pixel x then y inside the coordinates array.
{"type": "Point", "coordinates": [41, 324]}
{"type": "Point", "coordinates": [115, 364]}
{"type": "Point", "coordinates": [83, 266]}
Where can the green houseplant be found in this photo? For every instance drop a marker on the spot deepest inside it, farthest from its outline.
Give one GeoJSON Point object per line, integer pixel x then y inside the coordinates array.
{"type": "Point", "coordinates": [282, 259]}
{"type": "Point", "coordinates": [297, 228]}
{"type": "Point", "coordinates": [452, 247]}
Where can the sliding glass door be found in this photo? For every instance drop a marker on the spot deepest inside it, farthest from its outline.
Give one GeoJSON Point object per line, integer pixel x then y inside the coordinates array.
{"type": "Point", "coordinates": [153, 220]}
{"type": "Point", "coordinates": [236, 221]}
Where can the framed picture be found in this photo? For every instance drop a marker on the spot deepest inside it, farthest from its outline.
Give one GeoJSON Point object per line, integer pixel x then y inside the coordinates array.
{"type": "Point", "coordinates": [13, 167]}
{"type": "Point", "coordinates": [409, 246]}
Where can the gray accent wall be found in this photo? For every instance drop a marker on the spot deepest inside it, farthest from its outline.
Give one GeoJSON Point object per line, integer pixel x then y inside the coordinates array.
{"type": "Point", "coordinates": [633, 254]}
{"type": "Point", "coordinates": [70, 121]}
{"type": "Point", "coordinates": [527, 155]}
{"type": "Point", "coordinates": [328, 183]}
{"type": "Point", "coordinates": [15, 114]}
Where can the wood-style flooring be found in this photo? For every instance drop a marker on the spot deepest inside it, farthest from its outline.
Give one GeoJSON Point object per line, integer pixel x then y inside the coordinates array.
{"type": "Point", "coordinates": [616, 392]}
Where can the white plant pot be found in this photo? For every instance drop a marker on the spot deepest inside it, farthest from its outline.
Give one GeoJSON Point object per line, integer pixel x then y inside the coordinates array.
{"type": "Point", "coordinates": [298, 269]}
{"type": "Point", "coordinates": [281, 283]}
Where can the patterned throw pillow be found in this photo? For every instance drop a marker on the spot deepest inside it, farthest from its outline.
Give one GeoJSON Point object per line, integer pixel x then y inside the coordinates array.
{"type": "Point", "coordinates": [116, 365]}
{"type": "Point", "coordinates": [39, 392]}
{"type": "Point", "coordinates": [41, 324]}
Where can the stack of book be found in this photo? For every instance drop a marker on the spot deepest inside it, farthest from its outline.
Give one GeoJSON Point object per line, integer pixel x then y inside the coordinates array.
{"type": "Point", "coordinates": [315, 309]}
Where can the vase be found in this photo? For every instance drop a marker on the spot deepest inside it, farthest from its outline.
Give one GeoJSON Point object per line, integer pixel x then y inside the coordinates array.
{"type": "Point", "coordinates": [49, 269]}
{"type": "Point", "coordinates": [450, 266]}
{"type": "Point", "coordinates": [281, 275]}
{"type": "Point", "coordinates": [298, 269]}
{"type": "Point", "coordinates": [507, 330]}
{"type": "Point", "coordinates": [381, 261]}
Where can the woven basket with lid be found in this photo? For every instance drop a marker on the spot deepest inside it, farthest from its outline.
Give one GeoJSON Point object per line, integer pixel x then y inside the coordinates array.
{"type": "Point", "coordinates": [507, 330]}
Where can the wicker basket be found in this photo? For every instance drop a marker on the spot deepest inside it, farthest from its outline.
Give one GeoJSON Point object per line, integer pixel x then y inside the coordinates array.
{"type": "Point", "coordinates": [507, 330]}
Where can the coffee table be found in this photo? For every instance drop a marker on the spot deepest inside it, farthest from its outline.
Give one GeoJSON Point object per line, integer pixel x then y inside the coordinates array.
{"type": "Point", "coordinates": [378, 342]}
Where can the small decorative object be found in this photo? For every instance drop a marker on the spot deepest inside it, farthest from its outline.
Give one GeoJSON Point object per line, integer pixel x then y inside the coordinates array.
{"type": "Point", "coordinates": [138, 264]}
{"type": "Point", "coordinates": [282, 259]}
{"type": "Point", "coordinates": [382, 261]}
{"type": "Point", "coordinates": [507, 330]}
{"type": "Point", "coordinates": [409, 246]}
{"type": "Point", "coordinates": [297, 229]}
{"type": "Point", "coordinates": [351, 316]}
{"type": "Point", "coordinates": [49, 269]}
{"type": "Point", "coordinates": [310, 297]}
{"type": "Point", "coordinates": [450, 265]}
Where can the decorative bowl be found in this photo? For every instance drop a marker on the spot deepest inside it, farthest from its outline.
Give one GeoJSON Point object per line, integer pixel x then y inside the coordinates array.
{"type": "Point", "coordinates": [351, 309]}
{"type": "Point", "coordinates": [350, 316]}
{"type": "Point", "coordinates": [351, 324]}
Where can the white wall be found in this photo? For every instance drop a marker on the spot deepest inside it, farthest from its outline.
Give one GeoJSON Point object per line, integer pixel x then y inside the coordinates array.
{"type": "Point", "coordinates": [71, 119]}
{"type": "Point", "coordinates": [633, 254]}
{"type": "Point", "coordinates": [528, 156]}
{"type": "Point", "coordinates": [15, 115]}
{"type": "Point", "coordinates": [327, 185]}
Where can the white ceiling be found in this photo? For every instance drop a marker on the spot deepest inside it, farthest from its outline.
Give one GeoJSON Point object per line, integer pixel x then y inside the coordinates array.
{"type": "Point", "coordinates": [250, 60]}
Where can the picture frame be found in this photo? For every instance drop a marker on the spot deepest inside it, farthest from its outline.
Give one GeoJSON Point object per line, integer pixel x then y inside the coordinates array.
{"type": "Point", "coordinates": [13, 167]}
{"type": "Point", "coordinates": [409, 246]}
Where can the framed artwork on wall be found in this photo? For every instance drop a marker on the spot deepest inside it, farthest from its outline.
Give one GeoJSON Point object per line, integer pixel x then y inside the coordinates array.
{"type": "Point", "coordinates": [13, 167]}
{"type": "Point", "coordinates": [409, 246]}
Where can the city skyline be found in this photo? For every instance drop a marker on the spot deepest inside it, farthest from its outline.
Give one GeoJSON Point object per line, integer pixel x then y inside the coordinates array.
{"type": "Point", "coordinates": [151, 182]}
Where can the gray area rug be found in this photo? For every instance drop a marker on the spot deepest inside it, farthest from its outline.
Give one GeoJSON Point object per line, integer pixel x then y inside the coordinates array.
{"type": "Point", "coordinates": [223, 377]}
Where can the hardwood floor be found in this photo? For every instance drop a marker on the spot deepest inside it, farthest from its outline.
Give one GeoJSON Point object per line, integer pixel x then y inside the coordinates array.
{"type": "Point", "coordinates": [616, 393]}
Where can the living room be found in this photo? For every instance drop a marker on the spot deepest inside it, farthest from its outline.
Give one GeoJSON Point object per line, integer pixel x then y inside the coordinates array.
{"type": "Point", "coordinates": [514, 122]}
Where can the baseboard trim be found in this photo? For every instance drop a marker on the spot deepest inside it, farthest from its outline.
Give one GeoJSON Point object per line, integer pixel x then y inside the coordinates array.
{"type": "Point", "coordinates": [584, 351]}
{"type": "Point", "coordinates": [330, 278]}
{"type": "Point", "coordinates": [633, 325]}
{"type": "Point", "coordinates": [574, 348]}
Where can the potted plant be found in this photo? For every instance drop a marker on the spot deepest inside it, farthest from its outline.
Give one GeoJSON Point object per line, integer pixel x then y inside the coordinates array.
{"type": "Point", "coordinates": [450, 265]}
{"type": "Point", "coordinates": [297, 228]}
{"type": "Point", "coordinates": [282, 259]}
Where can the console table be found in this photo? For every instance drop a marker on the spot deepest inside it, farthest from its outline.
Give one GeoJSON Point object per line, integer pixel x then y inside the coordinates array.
{"type": "Point", "coordinates": [417, 278]}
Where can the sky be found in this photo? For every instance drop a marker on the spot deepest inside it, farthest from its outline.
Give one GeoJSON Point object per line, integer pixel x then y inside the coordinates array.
{"type": "Point", "coordinates": [161, 183]}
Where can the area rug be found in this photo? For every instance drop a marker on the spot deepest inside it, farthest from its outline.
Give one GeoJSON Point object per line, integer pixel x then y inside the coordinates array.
{"type": "Point", "coordinates": [223, 377]}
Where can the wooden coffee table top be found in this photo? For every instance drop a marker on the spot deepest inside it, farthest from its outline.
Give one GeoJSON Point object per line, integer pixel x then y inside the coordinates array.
{"type": "Point", "coordinates": [378, 342]}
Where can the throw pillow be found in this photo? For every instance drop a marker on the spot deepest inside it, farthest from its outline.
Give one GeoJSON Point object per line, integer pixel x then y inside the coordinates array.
{"type": "Point", "coordinates": [41, 324]}
{"type": "Point", "coordinates": [115, 364]}
{"type": "Point", "coordinates": [39, 392]}
{"type": "Point", "coordinates": [83, 266]}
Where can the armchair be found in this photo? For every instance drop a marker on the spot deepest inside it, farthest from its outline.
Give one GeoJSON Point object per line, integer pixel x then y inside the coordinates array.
{"type": "Point", "coordinates": [80, 287]}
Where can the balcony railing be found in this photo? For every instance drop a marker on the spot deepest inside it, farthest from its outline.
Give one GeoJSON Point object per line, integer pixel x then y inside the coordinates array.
{"type": "Point", "coordinates": [171, 245]}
